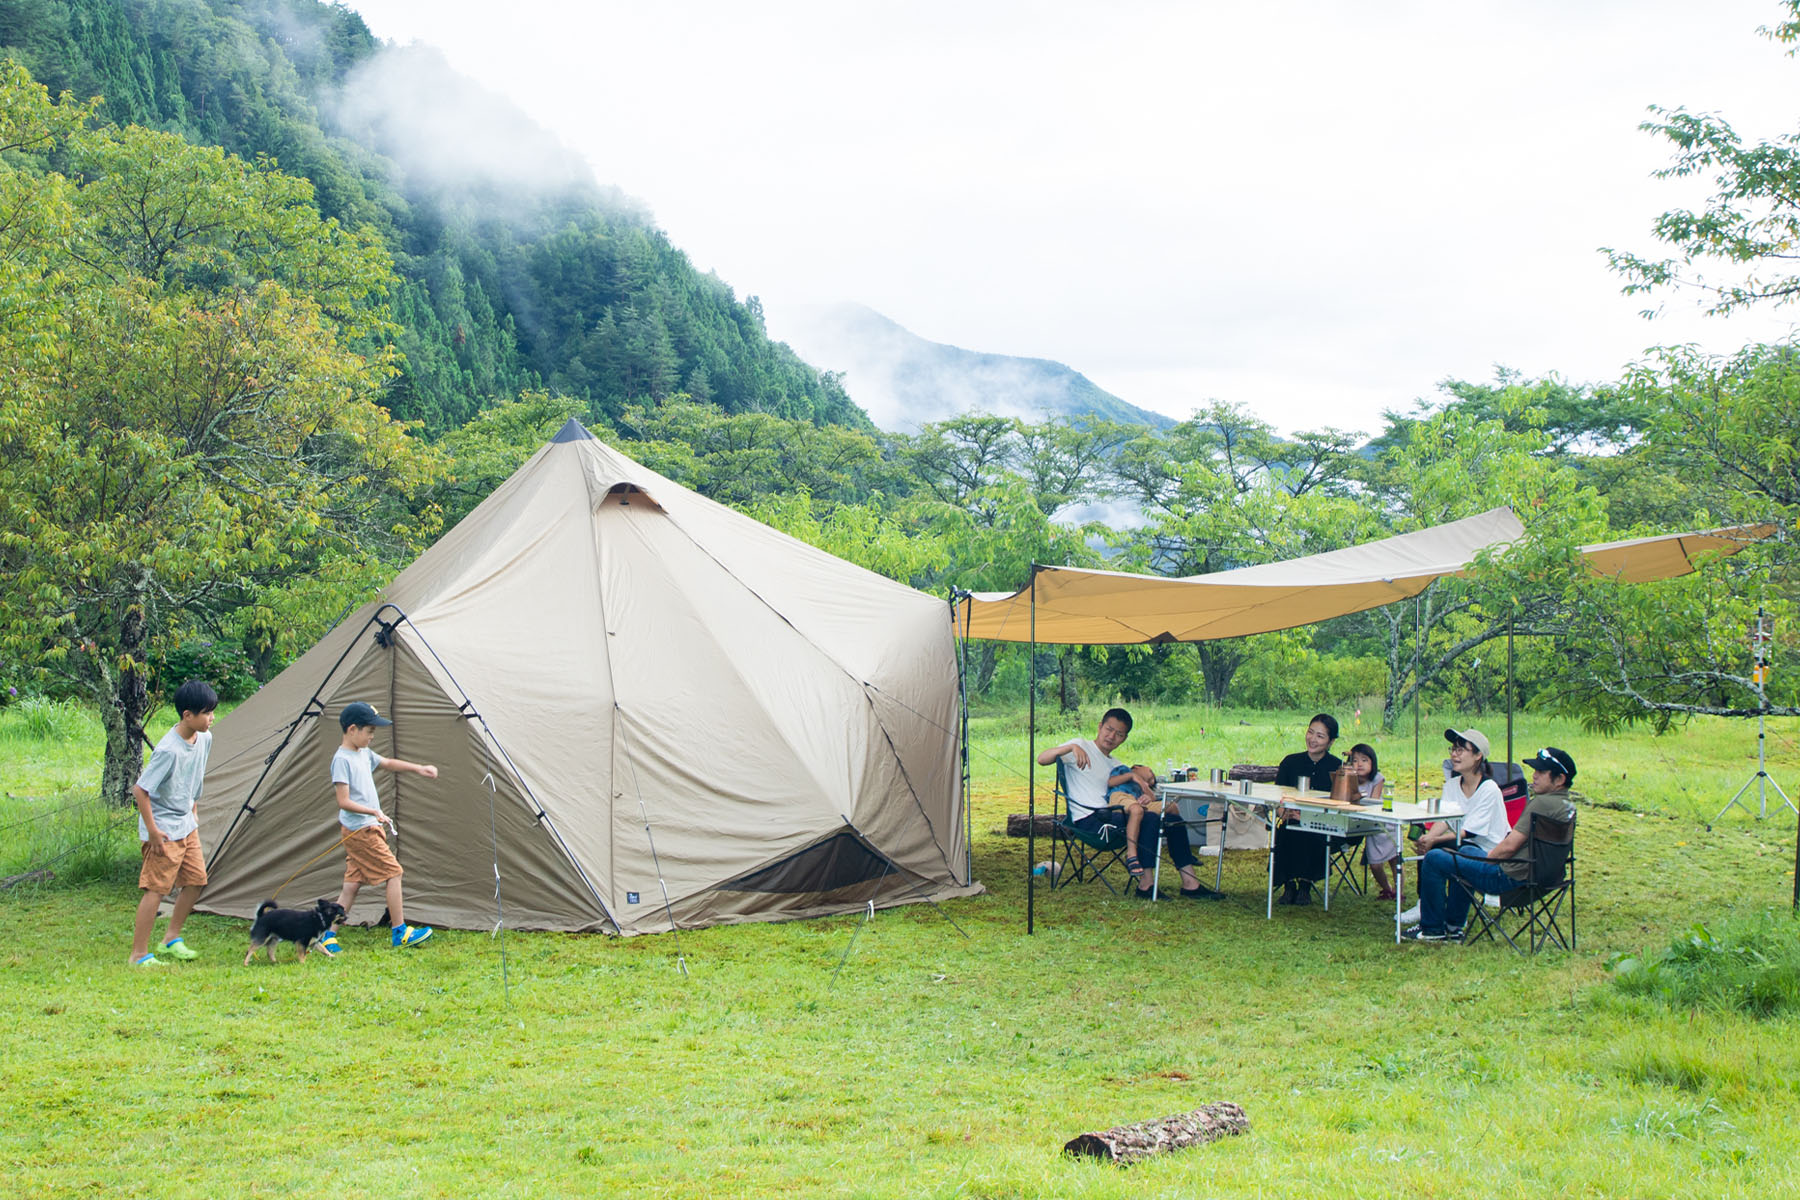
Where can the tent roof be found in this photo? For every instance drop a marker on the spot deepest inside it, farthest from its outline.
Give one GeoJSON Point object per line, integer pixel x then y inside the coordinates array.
{"type": "Point", "coordinates": [1086, 607]}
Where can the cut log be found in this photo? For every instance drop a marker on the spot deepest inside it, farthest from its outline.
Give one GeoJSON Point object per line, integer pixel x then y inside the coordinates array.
{"type": "Point", "coordinates": [1019, 824]}
{"type": "Point", "coordinates": [1124, 1144]}
{"type": "Point", "coordinates": [27, 877]}
{"type": "Point", "coordinates": [1254, 772]}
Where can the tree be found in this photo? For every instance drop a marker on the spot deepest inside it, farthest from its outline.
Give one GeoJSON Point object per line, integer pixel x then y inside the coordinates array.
{"type": "Point", "coordinates": [186, 419]}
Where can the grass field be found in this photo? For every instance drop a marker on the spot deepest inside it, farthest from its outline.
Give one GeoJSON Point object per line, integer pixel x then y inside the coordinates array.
{"type": "Point", "coordinates": [933, 1063]}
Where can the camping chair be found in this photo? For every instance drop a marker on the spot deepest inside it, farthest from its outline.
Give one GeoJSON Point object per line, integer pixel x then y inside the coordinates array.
{"type": "Point", "coordinates": [1346, 866]}
{"type": "Point", "coordinates": [1551, 855]}
{"type": "Point", "coordinates": [1083, 855]}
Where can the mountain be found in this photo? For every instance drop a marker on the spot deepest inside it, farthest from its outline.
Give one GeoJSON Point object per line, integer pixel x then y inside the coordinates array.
{"type": "Point", "coordinates": [517, 269]}
{"type": "Point", "coordinates": [903, 381]}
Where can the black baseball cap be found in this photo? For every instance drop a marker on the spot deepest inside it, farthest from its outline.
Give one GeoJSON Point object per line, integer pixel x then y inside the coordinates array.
{"type": "Point", "coordinates": [358, 713]}
{"type": "Point", "coordinates": [1549, 758]}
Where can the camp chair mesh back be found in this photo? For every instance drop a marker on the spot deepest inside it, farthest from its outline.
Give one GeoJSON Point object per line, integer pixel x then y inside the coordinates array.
{"type": "Point", "coordinates": [1081, 855]}
{"type": "Point", "coordinates": [1534, 911]}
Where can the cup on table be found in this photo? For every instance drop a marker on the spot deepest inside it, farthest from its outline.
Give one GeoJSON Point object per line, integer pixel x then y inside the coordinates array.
{"type": "Point", "coordinates": [1303, 788]}
{"type": "Point", "coordinates": [1218, 774]}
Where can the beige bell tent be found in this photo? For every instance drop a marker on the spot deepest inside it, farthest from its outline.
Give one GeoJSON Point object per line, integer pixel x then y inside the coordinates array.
{"type": "Point", "coordinates": [647, 711]}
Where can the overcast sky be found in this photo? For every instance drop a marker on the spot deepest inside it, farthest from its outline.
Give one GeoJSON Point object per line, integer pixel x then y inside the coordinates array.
{"type": "Point", "coordinates": [1315, 209]}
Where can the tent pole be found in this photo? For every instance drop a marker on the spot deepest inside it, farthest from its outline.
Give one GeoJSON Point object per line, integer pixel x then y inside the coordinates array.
{"type": "Point", "coordinates": [1031, 769]}
{"type": "Point", "coordinates": [962, 690]}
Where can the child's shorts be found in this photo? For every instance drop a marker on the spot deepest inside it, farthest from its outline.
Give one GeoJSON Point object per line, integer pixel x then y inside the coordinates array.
{"type": "Point", "coordinates": [367, 858]}
{"type": "Point", "coordinates": [173, 864]}
{"type": "Point", "coordinates": [1129, 787]}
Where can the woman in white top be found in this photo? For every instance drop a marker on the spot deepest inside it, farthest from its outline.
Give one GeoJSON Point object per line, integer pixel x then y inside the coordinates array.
{"type": "Point", "coordinates": [1469, 789]}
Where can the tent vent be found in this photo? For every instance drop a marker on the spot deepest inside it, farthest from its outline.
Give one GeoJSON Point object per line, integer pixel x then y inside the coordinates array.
{"type": "Point", "coordinates": [838, 862]}
{"type": "Point", "coordinates": [572, 431]}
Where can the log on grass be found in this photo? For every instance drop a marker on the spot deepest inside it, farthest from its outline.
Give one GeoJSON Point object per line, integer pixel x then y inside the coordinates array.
{"type": "Point", "coordinates": [1129, 1143]}
{"type": "Point", "coordinates": [40, 876]}
{"type": "Point", "coordinates": [1019, 824]}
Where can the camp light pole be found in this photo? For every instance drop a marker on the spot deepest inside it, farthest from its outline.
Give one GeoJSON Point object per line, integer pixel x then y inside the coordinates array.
{"type": "Point", "coordinates": [1031, 771]}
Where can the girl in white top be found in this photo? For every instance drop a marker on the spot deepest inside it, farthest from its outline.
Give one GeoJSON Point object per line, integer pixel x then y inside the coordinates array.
{"type": "Point", "coordinates": [1469, 789]}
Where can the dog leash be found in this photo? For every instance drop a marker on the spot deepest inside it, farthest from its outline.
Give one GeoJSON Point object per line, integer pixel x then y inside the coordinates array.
{"type": "Point", "coordinates": [309, 862]}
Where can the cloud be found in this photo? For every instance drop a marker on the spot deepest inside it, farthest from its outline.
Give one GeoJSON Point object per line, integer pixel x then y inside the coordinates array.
{"type": "Point", "coordinates": [445, 133]}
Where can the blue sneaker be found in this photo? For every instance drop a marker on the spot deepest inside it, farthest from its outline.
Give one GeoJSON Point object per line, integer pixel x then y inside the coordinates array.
{"type": "Point", "coordinates": [328, 942]}
{"type": "Point", "coordinates": [410, 935]}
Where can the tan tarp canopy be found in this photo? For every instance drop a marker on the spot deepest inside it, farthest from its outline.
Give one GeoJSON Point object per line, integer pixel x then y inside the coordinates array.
{"type": "Point", "coordinates": [662, 692]}
{"type": "Point", "coordinates": [1085, 607]}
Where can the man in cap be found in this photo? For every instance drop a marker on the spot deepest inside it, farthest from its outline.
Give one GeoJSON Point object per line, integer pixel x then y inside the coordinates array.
{"type": "Point", "coordinates": [1448, 879]}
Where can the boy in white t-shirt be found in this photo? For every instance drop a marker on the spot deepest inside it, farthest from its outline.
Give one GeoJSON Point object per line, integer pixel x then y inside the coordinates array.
{"type": "Point", "coordinates": [367, 858]}
{"type": "Point", "coordinates": [168, 797]}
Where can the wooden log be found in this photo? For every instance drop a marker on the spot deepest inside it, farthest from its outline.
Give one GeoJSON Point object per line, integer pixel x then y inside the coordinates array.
{"type": "Point", "coordinates": [1125, 1144]}
{"type": "Point", "coordinates": [1254, 772]}
{"type": "Point", "coordinates": [41, 876]}
{"type": "Point", "coordinates": [1019, 824]}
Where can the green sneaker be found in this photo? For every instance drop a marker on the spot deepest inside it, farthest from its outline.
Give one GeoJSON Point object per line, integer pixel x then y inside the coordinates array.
{"type": "Point", "coordinates": [176, 948]}
{"type": "Point", "coordinates": [149, 960]}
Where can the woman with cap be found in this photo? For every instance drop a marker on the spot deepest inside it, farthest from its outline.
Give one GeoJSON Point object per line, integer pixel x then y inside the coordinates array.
{"type": "Point", "coordinates": [1470, 789]}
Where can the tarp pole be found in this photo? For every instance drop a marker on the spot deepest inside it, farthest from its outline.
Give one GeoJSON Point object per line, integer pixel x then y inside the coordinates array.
{"type": "Point", "coordinates": [1509, 689]}
{"type": "Point", "coordinates": [1031, 769]}
{"type": "Point", "coordinates": [1418, 639]}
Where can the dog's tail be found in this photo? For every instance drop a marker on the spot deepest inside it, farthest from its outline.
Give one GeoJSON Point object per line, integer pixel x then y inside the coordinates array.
{"type": "Point", "coordinates": [265, 906]}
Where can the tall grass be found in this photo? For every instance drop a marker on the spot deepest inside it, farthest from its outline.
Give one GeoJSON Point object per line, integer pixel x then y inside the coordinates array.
{"type": "Point", "coordinates": [1748, 964]}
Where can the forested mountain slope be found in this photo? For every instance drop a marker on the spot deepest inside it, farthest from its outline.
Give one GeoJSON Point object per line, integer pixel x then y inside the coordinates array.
{"type": "Point", "coordinates": [517, 268]}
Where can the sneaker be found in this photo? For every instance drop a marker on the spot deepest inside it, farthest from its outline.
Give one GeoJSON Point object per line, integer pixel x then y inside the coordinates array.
{"type": "Point", "coordinates": [176, 948]}
{"type": "Point", "coordinates": [410, 935]}
{"type": "Point", "coordinates": [1411, 916]}
{"type": "Point", "coordinates": [1418, 933]}
{"type": "Point", "coordinates": [1453, 934]}
{"type": "Point", "coordinates": [328, 943]}
{"type": "Point", "coordinates": [149, 960]}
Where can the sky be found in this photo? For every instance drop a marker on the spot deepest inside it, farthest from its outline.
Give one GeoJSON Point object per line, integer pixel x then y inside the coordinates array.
{"type": "Point", "coordinates": [1316, 210]}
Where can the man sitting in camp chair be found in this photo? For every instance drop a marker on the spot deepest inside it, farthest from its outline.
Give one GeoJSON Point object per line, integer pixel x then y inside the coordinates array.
{"type": "Point", "coordinates": [1103, 791]}
{"type": "Point", "coordinates": [1449, 879]}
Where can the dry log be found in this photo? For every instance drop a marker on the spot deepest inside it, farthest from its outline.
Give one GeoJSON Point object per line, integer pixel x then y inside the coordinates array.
{"type": "Point", "coordinates": [1254, 772]}
{"type": "Point", "coordinates": [1019, 824]}
{"type": "Point", "coordinates": [1124, 1144]}
{"type": "Point", "coordinates": [41, 876]}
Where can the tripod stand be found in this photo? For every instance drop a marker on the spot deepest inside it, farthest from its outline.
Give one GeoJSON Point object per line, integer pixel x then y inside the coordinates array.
{"type": "Point", "coordinates": [1759, 640]}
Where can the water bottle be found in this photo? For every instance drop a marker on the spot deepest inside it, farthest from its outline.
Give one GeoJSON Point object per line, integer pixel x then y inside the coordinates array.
{"type": "Point", "coordinates": [1044, 868]}
{"type": "Point", "coordinates": [1387, 798]}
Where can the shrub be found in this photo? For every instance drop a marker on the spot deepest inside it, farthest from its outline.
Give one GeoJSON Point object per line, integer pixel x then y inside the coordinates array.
{"type": "Point", "coordinates": [221, 663]}
{"type": "Point", "coordinates": [1748, 964]}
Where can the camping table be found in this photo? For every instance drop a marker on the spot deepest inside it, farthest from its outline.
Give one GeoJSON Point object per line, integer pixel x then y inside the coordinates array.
{"type": "Point", "coordinates": [1318, 814]}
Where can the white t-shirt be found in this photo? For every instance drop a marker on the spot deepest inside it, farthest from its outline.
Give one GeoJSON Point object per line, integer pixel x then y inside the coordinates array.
{"type": "Point", "coordinates": [172, 779]}
{"type": "Point", "coordinates": [357, 769]}
{"type": "Point", "coordinates": [1087, 787]}
{"type": "Point", "coordinates": [1486, 822]}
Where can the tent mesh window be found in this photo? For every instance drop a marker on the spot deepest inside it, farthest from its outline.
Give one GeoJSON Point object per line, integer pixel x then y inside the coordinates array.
{"type": "Point", "coordinates": [840, 861]}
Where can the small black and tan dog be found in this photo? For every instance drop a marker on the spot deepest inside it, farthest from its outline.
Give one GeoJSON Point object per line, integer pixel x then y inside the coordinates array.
{"type": "Point", "coordinates": [301, 926]}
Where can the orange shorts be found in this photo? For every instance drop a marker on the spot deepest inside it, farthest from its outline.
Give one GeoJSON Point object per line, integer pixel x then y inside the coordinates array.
{"type": "Point", "coordinates": [367, 858]}
{"type": "Point", "coordinates": [173, 864]}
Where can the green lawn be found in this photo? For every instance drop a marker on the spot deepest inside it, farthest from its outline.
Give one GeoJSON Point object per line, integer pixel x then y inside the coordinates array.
{"type": "Point", "coordinates": [934, 1064]}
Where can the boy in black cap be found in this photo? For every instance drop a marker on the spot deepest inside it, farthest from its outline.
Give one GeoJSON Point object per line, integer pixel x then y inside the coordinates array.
{"type": "Point", "coordinates": [367, 858]}
{"type": "Point", "coordinates": [1444, 901]}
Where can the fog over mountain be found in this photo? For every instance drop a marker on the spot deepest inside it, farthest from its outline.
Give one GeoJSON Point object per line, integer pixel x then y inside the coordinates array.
{"type": "Point", "coordinates": [904, 381]}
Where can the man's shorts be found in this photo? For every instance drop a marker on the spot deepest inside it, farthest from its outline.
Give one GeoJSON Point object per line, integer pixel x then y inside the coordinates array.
{"type": "Point", "coordinates": [367, 858]}
{"type": "Point", "coordinates": [173, 864]}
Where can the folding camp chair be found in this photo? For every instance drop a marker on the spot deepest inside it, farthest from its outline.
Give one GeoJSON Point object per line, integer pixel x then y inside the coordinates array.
{"type": "Point", "coordinates": [1348, 873]}
{"type": "Point", "coordinates": [1534, 909]}
{"type": "Point", "coordinates": [1083, 855]}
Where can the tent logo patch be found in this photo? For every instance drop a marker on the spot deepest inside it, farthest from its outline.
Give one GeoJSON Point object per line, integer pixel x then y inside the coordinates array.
{"type": "Point", "coordinates": [631, 897]}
